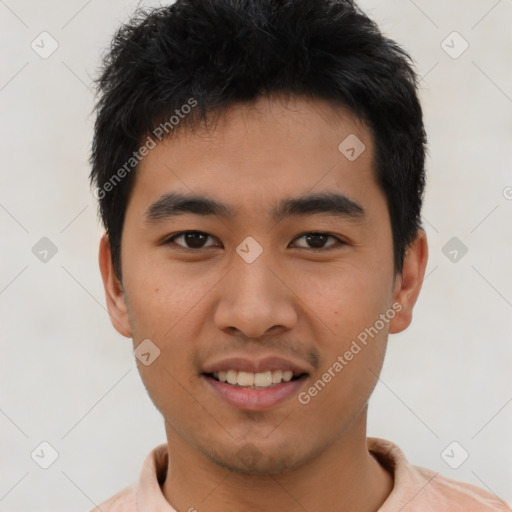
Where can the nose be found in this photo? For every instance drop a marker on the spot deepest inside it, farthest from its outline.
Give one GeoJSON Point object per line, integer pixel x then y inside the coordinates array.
{"type": "Point", "coordinates": [255, 299]}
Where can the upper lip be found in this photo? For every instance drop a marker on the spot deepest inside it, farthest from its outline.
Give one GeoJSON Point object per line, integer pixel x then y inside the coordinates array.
{"type": "Point", "coordinates": [242, 364]}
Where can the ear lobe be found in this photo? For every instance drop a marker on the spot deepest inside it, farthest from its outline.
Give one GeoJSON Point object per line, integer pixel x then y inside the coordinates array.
{"type": "Point", "coordinates": [114, 294]}
{"type": "Point", "coordinates": [408, 283]}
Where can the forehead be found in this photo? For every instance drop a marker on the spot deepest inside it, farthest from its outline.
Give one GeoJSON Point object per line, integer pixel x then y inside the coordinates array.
{"type": "Point", "coordinates": [254, 155]}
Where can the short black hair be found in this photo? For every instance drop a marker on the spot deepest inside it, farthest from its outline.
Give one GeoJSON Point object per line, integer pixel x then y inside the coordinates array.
{"type": "Point", "coordinates": [170, 67]}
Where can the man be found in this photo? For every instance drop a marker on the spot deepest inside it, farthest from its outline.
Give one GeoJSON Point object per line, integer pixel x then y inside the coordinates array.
{"type": "Point", "coordinates": [260, 171]}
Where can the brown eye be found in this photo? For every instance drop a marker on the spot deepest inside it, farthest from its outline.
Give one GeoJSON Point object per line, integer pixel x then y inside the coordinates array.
{"type": "Point", "coordinates": [191, 239]}
{"type": "Point", "coordinates": [318, 241]}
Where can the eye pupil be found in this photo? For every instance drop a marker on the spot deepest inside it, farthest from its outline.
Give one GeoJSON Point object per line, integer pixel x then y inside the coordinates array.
{"type": "Point", "coordinates": [191, 239]}
{"type": "Point", "coordinates": [316, 240]}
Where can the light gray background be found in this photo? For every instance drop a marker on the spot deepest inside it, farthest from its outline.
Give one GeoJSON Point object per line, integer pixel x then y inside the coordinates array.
{"type": "Point", "coordinates": [68, 378]}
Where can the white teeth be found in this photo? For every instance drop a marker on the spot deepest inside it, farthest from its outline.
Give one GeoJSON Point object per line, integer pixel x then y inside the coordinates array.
{"type": "Point", "coordinates": [249, 379]}
{"type": "Point", "coordinates": [277, 376]}
{"type": "Point", "coordinates": [263, 380]}
{"type": "Point", "coordinates": [287, 376]}
{"type": "Point", "coordinates": [231, 376]}
{"type": "Point", "coordinates": [245, 379]}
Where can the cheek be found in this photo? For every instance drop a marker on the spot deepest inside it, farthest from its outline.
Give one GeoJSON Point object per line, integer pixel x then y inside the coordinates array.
{"type": "Point", "coordinates": [162, 295]}
{"type": "Point", "coordinates": [345, 297]}
{"type": "Point", "coordinates": [163, 306]}
{"type": "Point", "coordinates": [345, 305]}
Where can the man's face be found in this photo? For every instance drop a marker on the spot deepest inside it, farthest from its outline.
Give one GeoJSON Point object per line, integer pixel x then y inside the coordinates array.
{"type": "Point", "coordinates": [211, 302]}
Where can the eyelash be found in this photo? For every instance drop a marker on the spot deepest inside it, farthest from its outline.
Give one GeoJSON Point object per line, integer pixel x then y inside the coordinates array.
{"type": "Point", "coordinates": [340, 242]}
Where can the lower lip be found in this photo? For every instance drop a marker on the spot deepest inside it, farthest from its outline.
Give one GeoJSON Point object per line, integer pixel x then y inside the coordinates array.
{"type": "Point", "coordinates": [255, 399]}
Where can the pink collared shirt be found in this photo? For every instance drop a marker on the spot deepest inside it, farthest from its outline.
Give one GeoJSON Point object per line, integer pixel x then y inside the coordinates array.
{"type": "Point", "coordinates": [415, 489]}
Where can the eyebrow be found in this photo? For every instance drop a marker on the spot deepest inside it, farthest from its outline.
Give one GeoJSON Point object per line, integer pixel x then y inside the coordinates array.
{"type": "Point", "coordinates": [175, 203]}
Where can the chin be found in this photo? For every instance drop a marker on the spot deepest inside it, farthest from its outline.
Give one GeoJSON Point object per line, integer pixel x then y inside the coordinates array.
{"type": "Point", "coordinates": [251, 460]}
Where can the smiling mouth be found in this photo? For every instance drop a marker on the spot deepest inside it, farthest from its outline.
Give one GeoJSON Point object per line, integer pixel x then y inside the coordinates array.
{"type": "Point", "coordinates": [250, 380]}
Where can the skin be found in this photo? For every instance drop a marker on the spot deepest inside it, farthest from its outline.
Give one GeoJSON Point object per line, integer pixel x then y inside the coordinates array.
{"type": "Point", "coordinates": [295, 300]}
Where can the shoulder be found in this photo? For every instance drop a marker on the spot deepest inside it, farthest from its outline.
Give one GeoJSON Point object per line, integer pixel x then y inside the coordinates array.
{"type": "Point", "coordinates": [455, 496]}
{"type": "Point", "coordinates": [145, 494]}
{"type": "Point", "coordinates": [123, 501]}
{"type": "Point", "coordinates": [420, 489]}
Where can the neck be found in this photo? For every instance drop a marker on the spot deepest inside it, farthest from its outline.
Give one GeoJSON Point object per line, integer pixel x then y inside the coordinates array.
{"type": "Point", "coordinates": [344, 477]}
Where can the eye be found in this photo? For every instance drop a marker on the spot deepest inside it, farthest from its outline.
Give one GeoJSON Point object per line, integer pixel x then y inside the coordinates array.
{"type": "Point", "coordinates": [192, 239]}
{"type": "Point", "coordinates": [196, 240]}
{"type": "Point", "coordinates": [318, 240]}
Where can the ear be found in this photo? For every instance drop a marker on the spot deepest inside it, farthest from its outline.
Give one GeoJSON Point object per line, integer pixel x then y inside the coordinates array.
{"type": "Point", "coordinates": [408, 282]}
{"type": "Point", "coordinates": [114, 293]}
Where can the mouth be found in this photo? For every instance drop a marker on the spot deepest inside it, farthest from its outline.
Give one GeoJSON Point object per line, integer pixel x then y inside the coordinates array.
{"type": "Point", "coordinates": [254, 390]}
{"type": "Point", "coordinates": [253, 380]}
{"type": "Point", "coordinates": [254, 384]}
